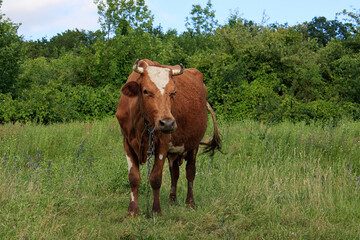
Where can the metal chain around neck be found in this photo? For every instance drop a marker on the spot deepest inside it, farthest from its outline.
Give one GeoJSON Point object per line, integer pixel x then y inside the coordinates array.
{"type": "Point", "coordinates": [150, 153]}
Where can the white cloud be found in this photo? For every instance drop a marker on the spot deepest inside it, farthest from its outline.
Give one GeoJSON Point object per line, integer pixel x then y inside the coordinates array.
{"type": "Point", "coordinates": [28, 5]}
{"type": "Point", "coordinates": [41, 18]}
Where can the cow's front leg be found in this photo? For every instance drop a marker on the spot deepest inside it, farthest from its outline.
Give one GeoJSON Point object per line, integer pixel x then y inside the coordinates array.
{"type": "Point", "coordinates": [134, 180]}
{"type": "Point", "coordinates": [156, 180]}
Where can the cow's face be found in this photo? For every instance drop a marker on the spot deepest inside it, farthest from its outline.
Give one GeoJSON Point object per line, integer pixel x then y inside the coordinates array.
{"type": "Point", "coordinates": [156, 91]}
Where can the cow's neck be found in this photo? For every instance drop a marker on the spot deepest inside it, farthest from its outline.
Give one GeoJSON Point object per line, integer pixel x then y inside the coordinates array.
{"type": "Point", "coordinates": [142, 128]}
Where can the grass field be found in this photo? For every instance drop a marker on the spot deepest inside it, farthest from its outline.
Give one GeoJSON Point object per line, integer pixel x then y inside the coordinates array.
{"type": "Point", "coordinates": [284, 181]}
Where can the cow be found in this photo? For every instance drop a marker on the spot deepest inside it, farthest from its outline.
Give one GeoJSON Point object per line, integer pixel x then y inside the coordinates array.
{"type": "Point", "coordinates": [166, 104]}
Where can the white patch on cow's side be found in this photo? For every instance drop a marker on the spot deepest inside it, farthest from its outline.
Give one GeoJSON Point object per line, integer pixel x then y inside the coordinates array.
{"type": "Point", "coordinates": [161, 157]}
{"type": "Point", "coordinates": [129, 162]}
{"type": "Point", "coordinates": [176, 149]}
{"type": "Point", "coordinates": [160, 76]}
{"type": "Point", "coordinates": [132, 197]}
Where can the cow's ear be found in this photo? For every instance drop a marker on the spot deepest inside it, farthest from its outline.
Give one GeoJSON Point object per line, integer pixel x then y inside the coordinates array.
{"type": "Point", "coordinates": [131, 89]}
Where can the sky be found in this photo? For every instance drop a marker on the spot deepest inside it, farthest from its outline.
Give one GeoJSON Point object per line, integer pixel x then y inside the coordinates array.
{"type": "Point", "coordinates": [47, 18]}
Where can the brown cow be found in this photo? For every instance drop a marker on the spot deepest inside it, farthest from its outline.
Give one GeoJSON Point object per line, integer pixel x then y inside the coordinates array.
{"type": "Point", "coordinates": [172, 102]}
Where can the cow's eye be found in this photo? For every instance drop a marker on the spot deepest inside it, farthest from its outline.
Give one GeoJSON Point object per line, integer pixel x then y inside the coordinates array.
{"type": "Point", "coordinates": [148, 93]}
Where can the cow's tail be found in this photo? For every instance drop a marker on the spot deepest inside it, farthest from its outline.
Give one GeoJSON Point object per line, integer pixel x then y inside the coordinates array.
{"type": "Point", "coordinates": [215, 143]}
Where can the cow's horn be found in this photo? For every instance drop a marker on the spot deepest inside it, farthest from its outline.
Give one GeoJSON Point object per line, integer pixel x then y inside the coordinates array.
{"type": "Point", "coordinates": [136, 68]}
{"type": "Point", "coordinates": [178, 72]}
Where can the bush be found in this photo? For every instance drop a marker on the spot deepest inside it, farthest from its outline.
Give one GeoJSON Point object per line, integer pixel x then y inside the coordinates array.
{"type": "Point", "coordinates": [268, 73]}
{"type": "Point", "coordinates": [59, 103]}
{"type": "Point", "coordinates": [7, 108]}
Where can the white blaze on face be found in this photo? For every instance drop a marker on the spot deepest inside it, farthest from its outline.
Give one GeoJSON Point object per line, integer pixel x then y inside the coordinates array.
{"type": "Point", "coordinates": [160, 76]}
{"type": "Point", "coordinates": [161, 157]}
{"type": "Point", "coordinates": [129, 162]}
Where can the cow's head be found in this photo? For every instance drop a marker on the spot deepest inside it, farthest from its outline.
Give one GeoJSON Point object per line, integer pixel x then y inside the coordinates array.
{"type": "Point", "coordinates": [156, 90]}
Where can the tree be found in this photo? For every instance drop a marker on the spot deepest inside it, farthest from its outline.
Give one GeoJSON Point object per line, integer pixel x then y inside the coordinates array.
{"type": "Point", "coordinates": [202, 20]}
{"type": "Point", "coordinates": [352, 17]}
{"type": "Point", "coordinates": [10, 54]}
{"type": "Point", "coordinates": [119, 16]}
{"type": "Point", "coordinates": [68, 40]}
{"type": "Point", "coordinates": [325, 30]}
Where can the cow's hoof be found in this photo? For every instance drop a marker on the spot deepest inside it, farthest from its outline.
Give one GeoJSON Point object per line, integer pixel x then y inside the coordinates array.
{"type": "Point", "coordinates": [131, 214]}
{"type": "Point", "coordinates": [172, 197]}
{"type": "Point", "coordinates": [133, 210]}
{"type": "Point", "coordinates": [190, 204]}
{"type": "Point", "coordinates": [156, 211]}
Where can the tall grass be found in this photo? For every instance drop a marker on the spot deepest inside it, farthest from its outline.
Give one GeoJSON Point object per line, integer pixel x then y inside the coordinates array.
{"type": "Point", "coordinates": [284, 181]}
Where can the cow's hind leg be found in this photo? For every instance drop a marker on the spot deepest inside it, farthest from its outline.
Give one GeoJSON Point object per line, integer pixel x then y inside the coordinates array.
{"type": "Point", "coordinates": [174, 161]}
{"type": "Point", "coordinates": [190, 176]}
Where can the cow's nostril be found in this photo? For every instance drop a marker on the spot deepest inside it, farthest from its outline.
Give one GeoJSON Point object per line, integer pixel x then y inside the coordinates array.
{"type": "Point", "coordinates": [161, 123]}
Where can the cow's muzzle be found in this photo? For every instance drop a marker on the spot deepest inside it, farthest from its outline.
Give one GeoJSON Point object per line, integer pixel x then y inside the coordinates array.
{"type": "Point", "coordinates": [167, 125]}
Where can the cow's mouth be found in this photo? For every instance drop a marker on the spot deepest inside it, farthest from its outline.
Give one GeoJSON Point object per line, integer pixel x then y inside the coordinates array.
{"type": "Point", "coordinates": [168, 131]}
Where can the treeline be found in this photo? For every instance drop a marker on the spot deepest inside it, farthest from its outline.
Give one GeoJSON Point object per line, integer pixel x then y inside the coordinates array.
{"type": "Point", "coordinates": [270, 72]}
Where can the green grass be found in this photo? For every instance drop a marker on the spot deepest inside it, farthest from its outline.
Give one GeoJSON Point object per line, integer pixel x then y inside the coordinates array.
{"type": "Point", "coordinates": [285, 181]}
